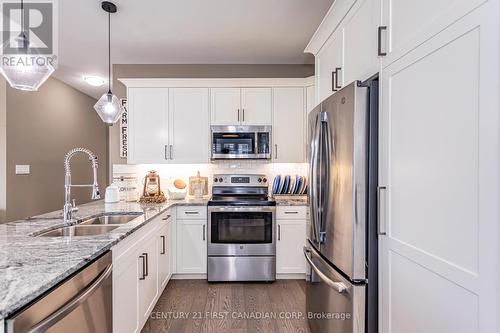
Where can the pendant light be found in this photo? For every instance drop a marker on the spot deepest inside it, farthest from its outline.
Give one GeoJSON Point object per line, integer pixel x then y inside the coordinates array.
{"type": "Point", "coordinates": [26, 70]}
{"type": "Point", "coordinates": [108, 107]}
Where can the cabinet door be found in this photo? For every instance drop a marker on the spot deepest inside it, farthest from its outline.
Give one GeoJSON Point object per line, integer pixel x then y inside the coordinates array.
{"type": "Point", "coordinates": [191, 246]}
{"type": "Point", "coordinates": [148, 125]}
{"type": "Point", "coordinates": [126, 275]}
{"type": "Point", "coordinates": [256, 106]}
{"type": "Point", "coordinates": [289, 125]}
{"type": "Point", "coordinates": [164, 256]}
{"type": "Point", "coordinates": [148, 287]}
{"type": "Point", "coordinates": [328, 60]}
{"type": "Point", "coordinates": [291, 240]}
{"type": "Point", "coordinates": [409, 23]}
{"type": "Point", "coordinates": [189, 126]}
{"type": "Point", "coordinates": [226, 106]}
{"type": "Point", "coordinates": [361, 59]}
{"type": "Point", "coordinates": [439, 159]}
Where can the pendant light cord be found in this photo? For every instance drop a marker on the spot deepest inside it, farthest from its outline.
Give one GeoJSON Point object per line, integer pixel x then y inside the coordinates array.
{"type": "Point", "coordinates": [22, 16]}
{"type": "Point", "coordinates": [109, 52]}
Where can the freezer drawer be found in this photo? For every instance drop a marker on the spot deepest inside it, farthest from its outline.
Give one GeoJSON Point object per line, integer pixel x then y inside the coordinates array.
{"type": "Point", "coordinates": [333, 304]}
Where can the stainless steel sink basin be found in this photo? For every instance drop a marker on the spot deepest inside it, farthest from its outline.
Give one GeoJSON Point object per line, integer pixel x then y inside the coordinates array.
{"type": "Point", "coordinates": [110, 219]}
{"type": "Point", "coordinates": [79, 230]}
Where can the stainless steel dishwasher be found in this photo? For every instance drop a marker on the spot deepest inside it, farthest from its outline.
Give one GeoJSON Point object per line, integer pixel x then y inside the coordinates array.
{"type": "Point", "coordinates": [80, 304]}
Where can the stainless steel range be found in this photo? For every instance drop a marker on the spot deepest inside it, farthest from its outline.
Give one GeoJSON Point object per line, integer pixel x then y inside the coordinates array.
{"type": "Point", "coordinates": [241, 230]}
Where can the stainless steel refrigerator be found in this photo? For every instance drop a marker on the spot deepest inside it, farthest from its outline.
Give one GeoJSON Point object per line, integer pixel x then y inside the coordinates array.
{"type": "Point", "coordinates": [341, 250]}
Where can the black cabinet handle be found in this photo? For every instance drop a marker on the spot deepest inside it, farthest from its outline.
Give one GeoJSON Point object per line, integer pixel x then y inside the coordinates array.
{"type": "Point", "coordinates": [279, 232]}
{"type": "Point", "coordinates": [146, 273]}
{"type": "Point", "coordinates": [337, 85]}
{"type": "Point", "coordinates": [166, 152]}
{"type": "Point", "coordinates": [163, 251]}
{"type": "Point", "coordinates": [380, 29]}
{"type": "Point", "coordinates": [143, 267]}
{"type": "Point", "coordinates": [333, 81]}
{"type": "Point", "coordinates": [243, 111]}
{"type": "Point", "coordinates": [203, 232]}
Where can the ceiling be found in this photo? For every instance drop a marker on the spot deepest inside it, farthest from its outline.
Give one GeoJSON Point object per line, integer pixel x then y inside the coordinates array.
{"type": "Point", "coordinates": [183, 32]}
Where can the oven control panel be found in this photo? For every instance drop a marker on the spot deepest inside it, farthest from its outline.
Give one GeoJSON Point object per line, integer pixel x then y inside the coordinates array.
{"type": "Point", "coordinates": [240, 180]}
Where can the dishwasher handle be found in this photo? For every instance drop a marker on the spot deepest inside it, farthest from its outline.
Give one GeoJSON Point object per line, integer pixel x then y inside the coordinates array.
{"type": "Point", "coordinates": [338, 286]}
{"type": "Point", "coordinates": [71, 304]}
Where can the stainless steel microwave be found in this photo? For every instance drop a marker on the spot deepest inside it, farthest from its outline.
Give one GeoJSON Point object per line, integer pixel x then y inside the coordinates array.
{"type": "Point", "coordinates": [241, 142]}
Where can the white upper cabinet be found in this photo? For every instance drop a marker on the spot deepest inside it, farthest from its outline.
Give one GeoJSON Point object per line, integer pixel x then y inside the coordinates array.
{"type": "Point", "coordinates": [329, 66]}
{"type": "Point", "coordinates": [256, 106]}
{"type": "Point", "coordinates": [189, 125]}
{"type": "Point", "coordinates": [360, 42]}
{"type": "Point", "coordinates": [289, 125]}
{"type": "Point", "coordinates": [241, 106]}
{"type": "Point", "coordinates": [148, 125]}
{"type": "Point", "coordinates": [409, 23]}
{"type": "Point", "coordinates": [226, 106]}
{"type": "Point", "coordinates": [162, 122]}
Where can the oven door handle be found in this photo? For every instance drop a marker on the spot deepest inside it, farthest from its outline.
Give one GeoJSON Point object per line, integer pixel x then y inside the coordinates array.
{"type": "Point", "coordinates": [63, 311]}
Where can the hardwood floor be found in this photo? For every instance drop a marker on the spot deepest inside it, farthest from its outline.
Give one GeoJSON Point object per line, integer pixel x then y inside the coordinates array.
{"type": "Point", "coordinates": [199, 306]}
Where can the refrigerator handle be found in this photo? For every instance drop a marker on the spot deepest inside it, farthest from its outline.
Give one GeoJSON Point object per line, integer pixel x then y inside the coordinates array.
{"type": "Point", "coordinates": [325, 162]}
{"type": "Point", "coordinates": [313, 179]}
{"type": "Point", "coordinates": [338, 286]}
{"type": "Point", "coordinates": [381, 218]}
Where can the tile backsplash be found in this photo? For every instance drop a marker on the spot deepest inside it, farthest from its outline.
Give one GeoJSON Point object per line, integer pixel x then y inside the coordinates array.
{"type": "Point", "coordinates": [170, 172]}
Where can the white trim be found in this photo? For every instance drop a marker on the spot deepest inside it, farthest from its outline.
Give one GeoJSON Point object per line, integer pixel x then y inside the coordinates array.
{"type": "Point", "coordinates": [178, 276]}
{"type": "Point", "coordinates": [294, 276]}
{"type": "Point", "coordinates": [213, 83]}
{"type": "Point", "coordinates": [310, 81]}
{"type": "Point", "coordinates": [329, 24]}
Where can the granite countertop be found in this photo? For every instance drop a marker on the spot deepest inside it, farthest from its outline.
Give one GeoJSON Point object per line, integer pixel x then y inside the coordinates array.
{"type": "Point", "coordinates": [30, 266]}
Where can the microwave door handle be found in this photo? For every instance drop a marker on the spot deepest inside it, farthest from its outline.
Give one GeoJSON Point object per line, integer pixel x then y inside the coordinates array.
{"type": "Point", "coordinates": [63, 311]}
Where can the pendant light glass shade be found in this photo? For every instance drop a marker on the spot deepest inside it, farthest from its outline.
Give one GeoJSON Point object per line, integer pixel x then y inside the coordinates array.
{"type": "Point", "coordinates": [26, 70]}
{"type": "Point", "coordinates": [109, 108]}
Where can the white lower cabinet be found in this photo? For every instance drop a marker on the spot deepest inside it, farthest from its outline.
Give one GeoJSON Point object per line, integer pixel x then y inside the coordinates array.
{"type": "Point", "coordinates": [148, 278]}
{"type": "Point", "coordinates": [191, 246]}
{"type": "Point", "coordinates": [140, 273]}
{"type": "Point", "coordinates": [126, 295]}
{"type": "Point", "coordinates": [291, 239]}
{"type": "Point", "coordinates": [164, 250]}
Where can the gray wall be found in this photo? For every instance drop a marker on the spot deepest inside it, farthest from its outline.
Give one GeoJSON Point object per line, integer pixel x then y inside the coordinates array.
{"type": "Point", "coordinates": [193, 71]}
{"type": "Point", "coordinates": [41, 128]}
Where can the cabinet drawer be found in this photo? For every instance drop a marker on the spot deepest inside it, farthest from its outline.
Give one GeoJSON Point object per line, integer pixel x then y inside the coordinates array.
{"type": "Point", "coordinates": [291, 212]}
{"type": "Point", "coordinates": [192, 212]}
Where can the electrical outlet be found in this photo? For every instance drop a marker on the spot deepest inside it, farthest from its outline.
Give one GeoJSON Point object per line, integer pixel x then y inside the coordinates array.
{"type": "Point", "coordinates": [22, 169]}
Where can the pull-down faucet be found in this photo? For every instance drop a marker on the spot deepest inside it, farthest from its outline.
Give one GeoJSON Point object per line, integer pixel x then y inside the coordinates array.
{"type": "Point", "coordinates": [69, 208]}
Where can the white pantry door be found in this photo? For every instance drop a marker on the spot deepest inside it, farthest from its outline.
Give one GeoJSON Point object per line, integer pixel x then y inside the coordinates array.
{"type": "Point", "coordinates": [439, 158]}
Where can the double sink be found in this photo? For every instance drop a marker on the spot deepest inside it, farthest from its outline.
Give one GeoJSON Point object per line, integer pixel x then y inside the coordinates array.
{"type": "Point", "coordinates": [93, 226]}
